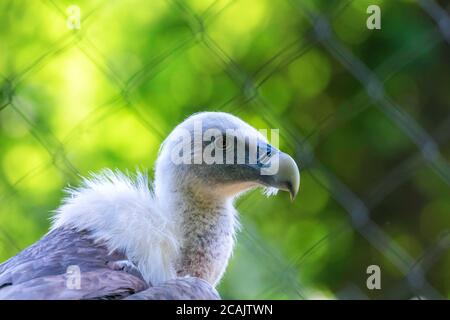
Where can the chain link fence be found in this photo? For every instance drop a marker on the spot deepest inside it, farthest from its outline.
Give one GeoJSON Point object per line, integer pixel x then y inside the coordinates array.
{"type": "Point", "coordinates": [309, 68]}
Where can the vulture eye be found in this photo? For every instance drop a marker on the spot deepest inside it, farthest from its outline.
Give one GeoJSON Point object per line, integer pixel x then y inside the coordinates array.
{"type": "Point", "coordinates": [221, 142]}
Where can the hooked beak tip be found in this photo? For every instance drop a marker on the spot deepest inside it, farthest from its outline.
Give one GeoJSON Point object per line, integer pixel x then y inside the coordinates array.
{"type": "Point", "coordinates": [292, 195]}
{"type": "Point", "coordinates": [292, 192]}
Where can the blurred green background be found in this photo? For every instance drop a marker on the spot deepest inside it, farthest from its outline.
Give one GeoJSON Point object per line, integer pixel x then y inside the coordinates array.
{"type": "Point", "coordinates": [365, 112]}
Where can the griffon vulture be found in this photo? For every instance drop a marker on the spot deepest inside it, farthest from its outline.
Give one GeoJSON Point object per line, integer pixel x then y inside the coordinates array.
{"type": "Point", "coordinates": [118, 236]}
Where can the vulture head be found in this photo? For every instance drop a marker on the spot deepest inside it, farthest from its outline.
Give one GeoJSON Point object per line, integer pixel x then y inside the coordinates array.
{"type": "Point", "coordinates": [216, 155]}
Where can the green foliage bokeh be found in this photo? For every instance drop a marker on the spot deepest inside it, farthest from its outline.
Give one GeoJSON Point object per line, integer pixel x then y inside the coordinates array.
{"type": "Point", "coordinates": [74, 102]}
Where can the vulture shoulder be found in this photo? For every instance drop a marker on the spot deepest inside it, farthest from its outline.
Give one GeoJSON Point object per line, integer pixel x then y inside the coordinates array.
{"type": "Point", "coordinates": [40, 271]}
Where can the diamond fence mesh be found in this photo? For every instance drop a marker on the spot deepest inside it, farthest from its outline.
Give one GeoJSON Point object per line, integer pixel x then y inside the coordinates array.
{"type": "Point", "coordinates": [365, 112]}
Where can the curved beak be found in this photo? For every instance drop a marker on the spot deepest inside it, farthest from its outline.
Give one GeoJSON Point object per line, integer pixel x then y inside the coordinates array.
{"type": "Point", "coordinates": [284, 175]}
{"type": "Point", "coordinates": [288, 176]}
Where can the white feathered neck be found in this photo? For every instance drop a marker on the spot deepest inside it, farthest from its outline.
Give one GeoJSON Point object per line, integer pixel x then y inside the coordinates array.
{"type": "Point", "coordinates": [125, 214]}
